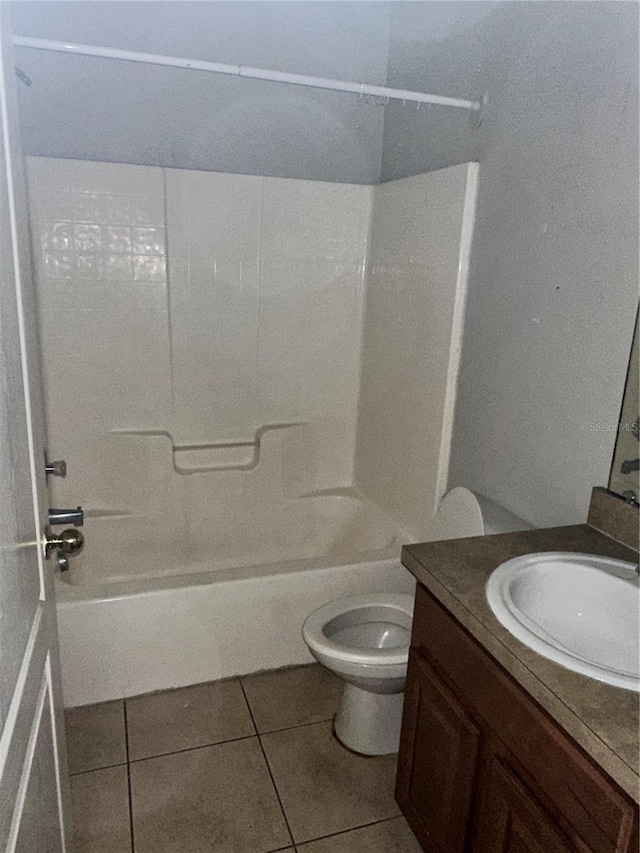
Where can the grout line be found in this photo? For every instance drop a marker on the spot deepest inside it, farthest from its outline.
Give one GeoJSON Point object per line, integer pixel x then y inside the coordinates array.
{"type": "Point", "coordinates": [190, 748]}
{"type": "Point", "coordinates": [297, 726]}
{"type": "Point", "coordinates": [94, 769]}
{"type": "Point", "coordinates": [126, 729]}
{"type": "Point", "coordinates": [126, 742]}
{"type": "Point", "coordinates": [248, 706]}
{"type": "Point", "coordinates": [266, 761]}
{"type": "Point", "coordinates": [351, 829]}
{"type": "Point", "coordinates": [277, 793]}
{"type": "Point", "coordinates": [204, 745]}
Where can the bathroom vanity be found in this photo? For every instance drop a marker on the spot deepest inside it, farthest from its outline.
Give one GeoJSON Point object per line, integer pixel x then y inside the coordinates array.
{"type": "Point", "coordinates": [502, 749]}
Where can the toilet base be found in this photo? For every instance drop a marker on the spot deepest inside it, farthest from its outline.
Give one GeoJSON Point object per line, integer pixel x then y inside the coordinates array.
{"type": "Point", "coordinates": [369, 723]}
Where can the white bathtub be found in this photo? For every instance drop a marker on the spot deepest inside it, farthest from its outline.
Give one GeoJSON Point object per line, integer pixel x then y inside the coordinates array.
{"type": "Point", "coordinates": [229, 618]}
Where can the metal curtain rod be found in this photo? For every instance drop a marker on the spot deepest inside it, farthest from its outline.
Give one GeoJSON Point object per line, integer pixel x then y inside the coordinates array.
{"type": "Point", "coordinates": [245, 71]}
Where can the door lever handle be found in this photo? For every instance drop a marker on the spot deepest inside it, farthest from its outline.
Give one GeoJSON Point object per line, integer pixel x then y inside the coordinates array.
{"type": "Point", "coordinates": [67, 516]}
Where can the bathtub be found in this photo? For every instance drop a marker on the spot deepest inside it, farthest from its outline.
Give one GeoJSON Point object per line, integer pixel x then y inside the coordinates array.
{"type": "Point", "coordinates": [239, 611]}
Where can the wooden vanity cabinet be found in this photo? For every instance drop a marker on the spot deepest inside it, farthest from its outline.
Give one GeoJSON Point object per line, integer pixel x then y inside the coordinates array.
{"type": "Point", "coordinates": [483, 769]}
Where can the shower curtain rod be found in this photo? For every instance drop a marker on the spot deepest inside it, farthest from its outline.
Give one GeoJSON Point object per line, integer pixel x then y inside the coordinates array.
{"type": "Point", "coordinates": [363, 89]}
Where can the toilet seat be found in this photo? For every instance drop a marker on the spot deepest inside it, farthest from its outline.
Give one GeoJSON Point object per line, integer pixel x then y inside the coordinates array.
{"type": "Point", "coordinates": [393, 608]}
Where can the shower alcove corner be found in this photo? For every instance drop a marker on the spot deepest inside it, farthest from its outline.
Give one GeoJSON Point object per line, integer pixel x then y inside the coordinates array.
{"type": "Point", "coordinates": [243, 407]}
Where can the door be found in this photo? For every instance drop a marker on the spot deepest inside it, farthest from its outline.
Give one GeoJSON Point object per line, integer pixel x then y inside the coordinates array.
{"type": "Point", "coordinates": [33, 773]}
{"type": "Point", "coordinates": [439, 751]}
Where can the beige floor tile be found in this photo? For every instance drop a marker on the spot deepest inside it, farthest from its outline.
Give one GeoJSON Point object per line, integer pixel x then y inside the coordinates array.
{"type": "Point", "coordinates": [182, 719]}
{"type": "Point", "coordinates": [390, 836]}
{"type": "Point", "coordinates": [100, 801]}
{"type": "Point", "coordinates": [95, 736]}
{"type": "Point", "coordinates": [292, 697]}
{"type": "Point", "coordinates": [215, 798]}
{"type": "Point", "coordinates": [324, 788]}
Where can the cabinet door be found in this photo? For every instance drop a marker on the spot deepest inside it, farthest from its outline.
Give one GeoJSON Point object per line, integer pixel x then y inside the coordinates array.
{"type": "Point", "coordinates": [437, 765]}
{"type": "Point", "coordinates": [510, 819]}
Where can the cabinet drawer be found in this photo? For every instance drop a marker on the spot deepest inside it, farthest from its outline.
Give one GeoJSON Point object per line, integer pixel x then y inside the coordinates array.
{"type": "Point", "coordinates": [586, 803]}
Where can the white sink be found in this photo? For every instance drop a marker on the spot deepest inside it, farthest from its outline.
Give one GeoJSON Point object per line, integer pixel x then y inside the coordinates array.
{"type": "Point", "coordinates": [578, 610]}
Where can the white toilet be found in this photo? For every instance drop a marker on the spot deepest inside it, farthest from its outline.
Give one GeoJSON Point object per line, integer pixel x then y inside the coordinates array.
{"type": "Point", "coordinates": [365, 638]}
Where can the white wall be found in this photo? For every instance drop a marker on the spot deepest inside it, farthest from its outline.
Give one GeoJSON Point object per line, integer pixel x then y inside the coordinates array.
{"type": "Point", "coordinates": [416, 290]}
{"type": "Point", "coordinates": [554, 279]}
{"type": "Point", "coordinates": [125, 112]}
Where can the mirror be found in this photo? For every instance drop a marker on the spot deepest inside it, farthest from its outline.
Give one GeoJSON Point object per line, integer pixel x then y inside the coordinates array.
{"type": "Point", "coordinates": [624, 476]}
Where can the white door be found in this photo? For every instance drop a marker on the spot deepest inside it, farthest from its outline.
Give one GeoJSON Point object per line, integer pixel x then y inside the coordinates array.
{"type": "Point", "coordinates": [33, 773]}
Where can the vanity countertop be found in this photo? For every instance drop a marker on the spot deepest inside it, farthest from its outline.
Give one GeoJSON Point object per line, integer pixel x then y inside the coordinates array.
{"type": "Point", "coordinates": [603, 719]}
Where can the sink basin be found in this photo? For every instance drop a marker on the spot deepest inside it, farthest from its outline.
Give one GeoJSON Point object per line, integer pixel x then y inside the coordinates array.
{"type": "Point", "coordinates": [578, 610]}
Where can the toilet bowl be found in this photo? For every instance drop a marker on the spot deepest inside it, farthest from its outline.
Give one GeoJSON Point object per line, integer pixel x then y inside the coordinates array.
{"type": "Point", "coordinates": [365, 639]}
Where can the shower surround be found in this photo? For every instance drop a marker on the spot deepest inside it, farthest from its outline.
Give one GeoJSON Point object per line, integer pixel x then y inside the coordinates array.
{"type": "Point", "coordinates": [249, 378]}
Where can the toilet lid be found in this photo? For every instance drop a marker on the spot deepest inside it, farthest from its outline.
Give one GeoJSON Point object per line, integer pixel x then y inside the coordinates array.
{"type": "Point", "coordinates": [458, 516]}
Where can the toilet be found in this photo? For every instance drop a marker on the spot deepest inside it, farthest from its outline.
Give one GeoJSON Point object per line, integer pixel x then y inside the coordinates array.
{"type": "Point", "coordinates": [364, 639]}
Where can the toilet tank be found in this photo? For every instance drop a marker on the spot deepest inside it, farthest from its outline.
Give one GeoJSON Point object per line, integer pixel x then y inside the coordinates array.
{"type": "Point", "coordinates": [464, 513]}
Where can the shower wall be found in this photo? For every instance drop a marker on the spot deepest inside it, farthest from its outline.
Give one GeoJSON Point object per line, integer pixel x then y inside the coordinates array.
{"type": "Point", "coordinates": [205, 373]}
{"type": "Point", "coordinates": [188, 396]}
{"type": "Point", "coordinates": [99, 235]}
{"type": "Point", "coordinates": [416, 291]}
{"type": "Point", "coordinates": [266, 305]}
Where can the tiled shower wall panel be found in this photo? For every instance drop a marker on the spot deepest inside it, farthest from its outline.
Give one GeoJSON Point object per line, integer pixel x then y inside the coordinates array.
{"type": "Point", "coordinates": [100, 255]}
{"type": "Point", "coordinates": [239, 308]}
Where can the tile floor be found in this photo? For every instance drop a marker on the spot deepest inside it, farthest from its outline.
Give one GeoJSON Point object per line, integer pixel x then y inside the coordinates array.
{"type": "Point", "coordinates": [248, 765]}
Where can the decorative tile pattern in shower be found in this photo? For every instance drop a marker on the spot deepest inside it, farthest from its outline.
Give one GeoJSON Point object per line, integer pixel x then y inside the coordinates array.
{"type": "Point", "coordinates": [100, 254]}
